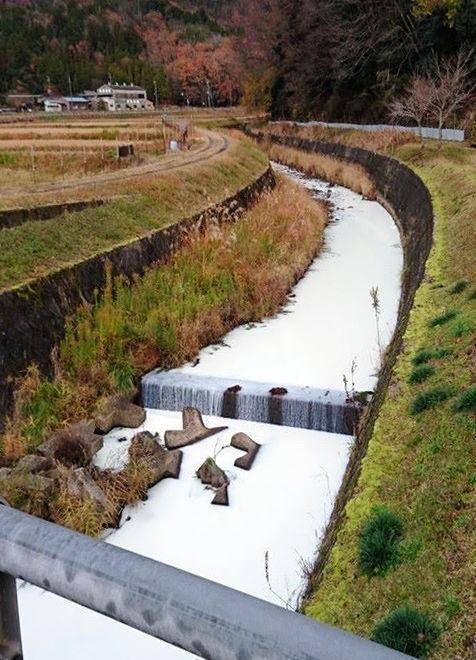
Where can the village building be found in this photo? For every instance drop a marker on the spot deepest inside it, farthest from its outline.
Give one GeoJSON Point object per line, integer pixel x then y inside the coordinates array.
{"type": "Point", "coordinates": [61, 103]}
{"type": "Point", "coordinates": [116, 97]}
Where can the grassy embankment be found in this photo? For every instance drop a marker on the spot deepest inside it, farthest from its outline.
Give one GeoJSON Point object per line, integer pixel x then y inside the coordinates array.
{"type": "Point", "coordinates": [421, 461]}
{"type": "Point", "coordinates": [382, 141]}
{"type": "Point", "coordinates": [34, 249]}
{"type": "Point", "coordinates": [351, 176]}
{"type": "Point", "coordinates": [239, 273]}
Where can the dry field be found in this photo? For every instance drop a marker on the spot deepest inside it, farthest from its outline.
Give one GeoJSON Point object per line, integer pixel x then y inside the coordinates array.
{"type": "Point", "coordinates": [40, 148]}
{"type": "Point", "coordinates": [75, 158]}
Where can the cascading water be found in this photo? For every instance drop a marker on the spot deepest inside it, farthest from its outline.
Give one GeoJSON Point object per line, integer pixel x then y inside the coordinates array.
{"type": "Point", "coordinates": [279, 509]}
{"type": "Point", "coordinates": [290, 405]}
{"type": "Point", "coordinates": [328, 326]}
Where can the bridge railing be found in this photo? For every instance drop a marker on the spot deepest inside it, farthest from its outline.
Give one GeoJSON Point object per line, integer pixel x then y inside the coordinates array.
{"type": "Point", "coordinates": [190, 612]}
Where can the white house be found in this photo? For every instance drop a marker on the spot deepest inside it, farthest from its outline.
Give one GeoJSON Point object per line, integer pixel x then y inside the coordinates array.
{"type": "Point", "coordinates": [122, 97]}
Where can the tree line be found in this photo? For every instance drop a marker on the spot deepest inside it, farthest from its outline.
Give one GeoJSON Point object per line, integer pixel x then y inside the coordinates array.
{"type": "Point", "coordinates": [342, 60]}
{"type": "Point", "coordinates": [348, 59]}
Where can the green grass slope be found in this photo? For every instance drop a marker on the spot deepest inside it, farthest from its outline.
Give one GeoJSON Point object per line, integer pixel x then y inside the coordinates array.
{"type": "Point", "coordinates": [421, 460]}
{"type": "Point", "coordinates": [35, 249]}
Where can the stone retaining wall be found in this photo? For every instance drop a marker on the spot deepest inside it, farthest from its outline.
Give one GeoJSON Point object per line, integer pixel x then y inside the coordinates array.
{"type": "Point", "coordinates": [14, 217]}
{"type": "Point", "coordinates": [33, 315]}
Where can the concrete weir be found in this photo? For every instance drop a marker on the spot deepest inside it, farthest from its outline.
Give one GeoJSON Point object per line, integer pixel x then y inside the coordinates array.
{"type": "Point", "coordinates": [286, 405]}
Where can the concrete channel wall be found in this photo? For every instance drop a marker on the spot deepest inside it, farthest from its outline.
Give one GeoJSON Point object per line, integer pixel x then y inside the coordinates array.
{"type": "Point", "coordinates": [407, 199]}
{"type": "Point", "coordinates": [33, 315]}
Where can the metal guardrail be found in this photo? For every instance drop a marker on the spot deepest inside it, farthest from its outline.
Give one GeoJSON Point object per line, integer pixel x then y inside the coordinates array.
{"type": "Point", "coordinates": [195, 614]}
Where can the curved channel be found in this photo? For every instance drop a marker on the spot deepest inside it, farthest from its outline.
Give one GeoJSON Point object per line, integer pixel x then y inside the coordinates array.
{"type": "Point", "coordinates": [278, 510]}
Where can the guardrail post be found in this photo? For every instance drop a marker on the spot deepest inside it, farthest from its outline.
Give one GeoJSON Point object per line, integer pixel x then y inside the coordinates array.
{"type": "Point", "coordinates": [10, 638]}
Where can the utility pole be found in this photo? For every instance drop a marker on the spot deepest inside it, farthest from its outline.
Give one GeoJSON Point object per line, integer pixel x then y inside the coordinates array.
{"type": "Point", "coordinates": [156, 94]}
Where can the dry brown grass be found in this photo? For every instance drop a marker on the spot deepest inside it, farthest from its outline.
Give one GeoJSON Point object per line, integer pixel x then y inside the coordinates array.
{"type": "Point", "coordinates": [63, 164]}
{"type": "Point", "coordinates": [325, 167]}
{"type": "Point", "coordinates": [127, 486]}
{"type": "Point", "coordinates": [380, 141]}
{"type": "Point", "coordinates": [231, 275]}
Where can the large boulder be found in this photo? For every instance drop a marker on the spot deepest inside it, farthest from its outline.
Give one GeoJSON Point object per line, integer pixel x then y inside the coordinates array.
{"type": "Point", "coordinates": [193, 430]}
{"type": "Point", "coordinates": [79, 483]}
{"type": "Point", "coordinates": [29, 492]}
{"type": "Point", "coordinates": [118, 410]}
{"type": "Point", "coordinates": [4, 473]}
{"type": "Point", "coordinates": [74, 445]}
{"type": "Point", "coordinates": [244, 442]}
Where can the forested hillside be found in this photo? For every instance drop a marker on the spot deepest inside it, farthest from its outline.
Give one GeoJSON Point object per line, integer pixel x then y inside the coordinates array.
{"type": "Point", "coordinates": [346, 59]}
{"type": "Point", "coordinates": [69, 45]}
{"type": "Point", "coordinates": [339, 59]}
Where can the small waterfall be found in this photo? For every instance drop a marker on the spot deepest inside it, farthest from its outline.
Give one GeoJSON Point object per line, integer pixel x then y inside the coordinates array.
{"type": "Point", "coordinates": [289, 405]}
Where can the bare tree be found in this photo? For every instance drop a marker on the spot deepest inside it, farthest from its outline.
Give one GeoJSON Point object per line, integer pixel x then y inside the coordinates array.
{"type": "Point", "coordinates": [416, 101]}
{"type": "Point", "coordinates": [452, 88]}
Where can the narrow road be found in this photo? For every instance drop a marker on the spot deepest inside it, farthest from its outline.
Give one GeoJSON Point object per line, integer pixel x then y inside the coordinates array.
{"type": "Point", "coordinates": [214, 144]}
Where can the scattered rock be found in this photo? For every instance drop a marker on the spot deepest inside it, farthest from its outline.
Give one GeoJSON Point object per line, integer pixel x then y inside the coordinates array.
{"type": "Point", "coordinates": [29, 492]}
{"type": "Point", "coordinates": [193, 430]}
{"type": "Point", "coordinates": [244, 442]}
{"type": "Point", "coordinates": [74, 445]}
{"type": "Point", "coordinates": [221, 496]}
{"type": "Point", "coordinates": [144, 444]}
{"type": "Point", "coordinates": [278, 391]}
{"type": "Point", "coordinates": [159, 461]}
{"type": "Point", "coordinates": [211, 475]}
{"type": "Point", "coordinates": [80, 484]}
{"type": "Point", "coordinates": [33, 464]}
{"type": "Point", "coordinates": [4, 473]}
{"type": "Point", "coordinates": [119, 411]}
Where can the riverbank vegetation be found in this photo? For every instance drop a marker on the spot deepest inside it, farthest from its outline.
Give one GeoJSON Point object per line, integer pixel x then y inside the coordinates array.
{"type": "Point", "coordinates": [231, 275]}
{"type": "Point", "coordinates": [350, 175]}
{"type": "Point", "coordinates": [421, 460]}
{"type": "Point", "coordinates": [382, 141]}
{"type": "Point", "coordinates": [140, 205]}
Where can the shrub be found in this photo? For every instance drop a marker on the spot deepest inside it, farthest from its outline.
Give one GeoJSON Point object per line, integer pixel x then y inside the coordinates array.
{"type": "Point", "coordinates": [425, 355]}
{"type": "Point", "coordinates": [421, 373]}
{"type": "Point", "coordinates": [472, 295]}
{"type": "Point", "coordinates": [422, 356]}
{"type": "Point", "coordinates": [430, 399]}
{"type": "Point", "coordinates": [459, 286]}
{"type": "Point", "coordinates": [379, 542]}
{"type": "Point", "coordinates": [442, 318]}
{"type": "Point", "coordinates": [466, 401]}
{"type": "Point", "coordinates": [442, 352]}
{"type": "Point", "coordinates": [461, 328]}
{"type": "Point", "coordinates": [407, 630]}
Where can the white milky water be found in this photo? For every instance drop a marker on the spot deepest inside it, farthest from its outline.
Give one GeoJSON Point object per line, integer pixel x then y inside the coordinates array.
{"type": "Point", "coordinates": [330, 322]}
{"type": "Point", "coordinates": [282, 505]}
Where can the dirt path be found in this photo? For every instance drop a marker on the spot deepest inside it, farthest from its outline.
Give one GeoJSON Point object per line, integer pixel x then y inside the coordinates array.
{"type": "Point", "coordinates": [213, 144]}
